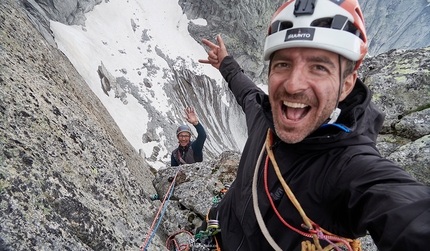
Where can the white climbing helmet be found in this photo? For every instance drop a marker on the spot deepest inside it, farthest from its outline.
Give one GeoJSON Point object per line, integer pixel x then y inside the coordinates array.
{"type": "Point", "coordinates": [333, 25]}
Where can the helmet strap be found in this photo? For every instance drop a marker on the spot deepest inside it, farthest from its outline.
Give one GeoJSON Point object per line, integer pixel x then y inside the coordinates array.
{"type": "Point", "coordinates": [336, 112]}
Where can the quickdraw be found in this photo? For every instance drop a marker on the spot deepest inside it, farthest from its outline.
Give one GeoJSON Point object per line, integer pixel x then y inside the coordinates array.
{"type": "Point", "coordinates": [205, 240]}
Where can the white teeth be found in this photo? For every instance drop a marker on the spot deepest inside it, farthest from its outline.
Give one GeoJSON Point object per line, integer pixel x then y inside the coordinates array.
{"type": "Point", "coordinates": [294, 105]}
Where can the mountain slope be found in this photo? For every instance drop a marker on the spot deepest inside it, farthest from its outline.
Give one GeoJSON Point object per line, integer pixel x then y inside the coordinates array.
{"type": "Point", "coordinates": [396, 24]}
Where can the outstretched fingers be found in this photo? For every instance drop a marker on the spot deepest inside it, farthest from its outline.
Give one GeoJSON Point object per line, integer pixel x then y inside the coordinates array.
{"type": "Point", "coordinates": [209, 44]}
{"type": "Point", "coordinates": [212, 53]}
{"type": "Point", "coordinates": [191, 116]}
{"type": "Point", "coordinates": [189, 110]}
{"type": "Point", "coordinates": [220, 43]}
{"type": "Point", "coordinates": [216, 53]}
{"type": "Point", "coordinates": [212, 58]}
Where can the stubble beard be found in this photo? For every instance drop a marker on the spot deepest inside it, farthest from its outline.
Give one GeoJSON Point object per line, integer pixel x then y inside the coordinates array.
{"type": "Point", "coordinates": [295, 134]}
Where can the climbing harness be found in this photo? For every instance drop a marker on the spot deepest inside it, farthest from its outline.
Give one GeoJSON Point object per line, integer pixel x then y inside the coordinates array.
{"type": "Point", "coordinates": [313, 230]}
{"type": "Point", "coordinates": [159, 216]}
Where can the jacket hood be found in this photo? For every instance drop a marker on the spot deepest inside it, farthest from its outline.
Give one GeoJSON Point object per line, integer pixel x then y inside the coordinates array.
{"type": "Point", "coordinates": [360, 114]}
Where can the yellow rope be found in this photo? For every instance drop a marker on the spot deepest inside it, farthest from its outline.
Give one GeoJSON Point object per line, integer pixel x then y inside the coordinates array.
{"type": "Point", "coordinates": [306, 245]}
{"type": "Point", "coordinates": [288, 190]}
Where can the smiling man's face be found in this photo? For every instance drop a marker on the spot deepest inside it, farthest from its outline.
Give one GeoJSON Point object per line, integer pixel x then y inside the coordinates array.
{"type": "Point", "coordinates": [303, 90]}
{"type": "Point", "coordinates": [184, 138]}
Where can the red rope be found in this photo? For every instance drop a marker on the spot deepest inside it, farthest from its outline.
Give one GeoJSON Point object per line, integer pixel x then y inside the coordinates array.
{"type": "Point", "coordinates": [178, 247]}
{"type": "Point", "coordinates": [320, 234]}
{"type": "Point", "coordinates": [273, 204]}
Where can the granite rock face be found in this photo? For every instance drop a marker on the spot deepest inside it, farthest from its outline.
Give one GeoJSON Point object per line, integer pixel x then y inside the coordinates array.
{"type": "Point", "coordinates": [400, 82]}
{"type": "Point", "coordinates": [69, 180]}
{"type": "Point", "coordinates": [396, 24]}
{"type": "Point", "coordinates": [40, 12]}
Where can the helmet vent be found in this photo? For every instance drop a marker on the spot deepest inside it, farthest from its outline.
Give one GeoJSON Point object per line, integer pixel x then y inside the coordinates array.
{"type": "Point", "coordinates": [279, 26]}
{"type": "Point", "coordinates": [339, 22]}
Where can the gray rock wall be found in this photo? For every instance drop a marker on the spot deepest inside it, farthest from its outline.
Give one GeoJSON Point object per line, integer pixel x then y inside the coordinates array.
{"type": "Point", "coordinates": [69, 180]}
{"type": "Point", "coordinates": [396, 24]}
{"type": "Point", "coordinates": [400, 82]}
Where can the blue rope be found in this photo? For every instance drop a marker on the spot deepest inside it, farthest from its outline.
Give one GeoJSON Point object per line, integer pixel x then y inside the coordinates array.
{"type": "Point", "coordinates": [163, 211]}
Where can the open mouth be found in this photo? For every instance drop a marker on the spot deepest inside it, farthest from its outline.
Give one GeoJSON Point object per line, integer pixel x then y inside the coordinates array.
{"type": "Point", "coordinates": [294, 111]}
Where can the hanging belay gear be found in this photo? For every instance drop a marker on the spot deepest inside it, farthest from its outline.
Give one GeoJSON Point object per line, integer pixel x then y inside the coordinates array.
{"type": "Point", "coordinates": [217, 198]}
{"type": "Point", "coordinates": [205, 240]}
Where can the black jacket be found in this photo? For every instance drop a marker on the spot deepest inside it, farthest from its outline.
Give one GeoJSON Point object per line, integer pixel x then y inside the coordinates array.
{"type": "Point", "coordinates": [339, 177]}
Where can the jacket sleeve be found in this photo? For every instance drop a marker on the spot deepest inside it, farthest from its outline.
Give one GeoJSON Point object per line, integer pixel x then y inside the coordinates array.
{"type": "Point", "coordinates": [388, 203]}
{"type": "Point", "coordinates": [197, 145]}
{"type": "Point", "coordinates": [238, 82]}
{"type": "Point", "coordinates": [405, 225]}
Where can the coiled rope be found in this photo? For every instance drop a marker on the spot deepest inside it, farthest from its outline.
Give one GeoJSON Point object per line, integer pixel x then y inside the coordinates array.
{"type": "Point", "coordinates": [171, 239]}
{"type": "Point", "coordinates": [162, 209]}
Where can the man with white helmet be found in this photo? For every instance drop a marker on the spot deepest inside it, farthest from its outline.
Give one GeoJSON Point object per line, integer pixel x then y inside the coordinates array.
{"type": "Point", "coordinates": [189, 152]}
{"type": "Point", "coordinates": [310, 175]}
